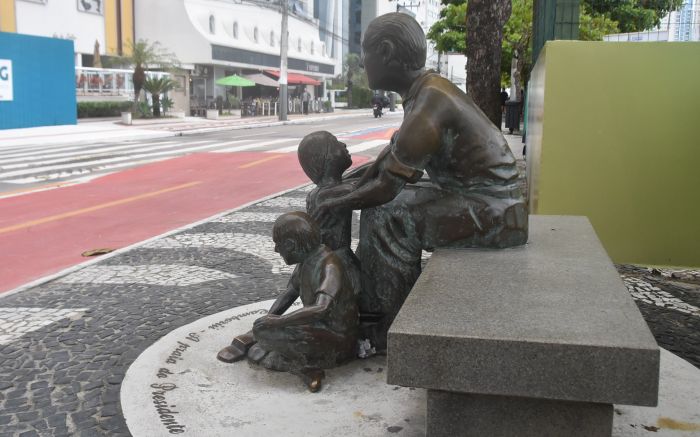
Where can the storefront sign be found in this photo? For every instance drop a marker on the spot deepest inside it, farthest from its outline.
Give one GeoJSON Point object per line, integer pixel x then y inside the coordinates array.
{"type": "Point", "coordinates": [5, 80]}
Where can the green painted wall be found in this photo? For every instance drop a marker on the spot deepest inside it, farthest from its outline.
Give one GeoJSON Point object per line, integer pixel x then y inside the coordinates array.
{"type": "Point", "coordinates": [618, 140]}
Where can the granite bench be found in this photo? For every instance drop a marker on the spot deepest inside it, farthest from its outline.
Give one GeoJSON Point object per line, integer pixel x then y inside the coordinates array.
{"type": "Point", "coordinates": [538, 340]}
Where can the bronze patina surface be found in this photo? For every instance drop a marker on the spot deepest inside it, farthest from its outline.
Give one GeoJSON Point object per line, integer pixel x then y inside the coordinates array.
{"type": "Point", "coordinates": [322, 334]}
{"type": "Point", "coordinates": [471, 198]}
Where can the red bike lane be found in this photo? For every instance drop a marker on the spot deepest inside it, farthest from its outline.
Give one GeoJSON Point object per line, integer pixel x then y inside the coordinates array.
{"type": "Point", "coordinates": [45, 232]}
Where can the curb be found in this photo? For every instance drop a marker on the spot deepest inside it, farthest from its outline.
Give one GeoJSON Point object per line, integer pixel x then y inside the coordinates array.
{"type": "Point", "coordinates": [266, 124]}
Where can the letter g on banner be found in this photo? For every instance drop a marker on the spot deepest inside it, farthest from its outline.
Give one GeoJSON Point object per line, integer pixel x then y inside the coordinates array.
{"type": "Point", "coordinates": [5, 80]}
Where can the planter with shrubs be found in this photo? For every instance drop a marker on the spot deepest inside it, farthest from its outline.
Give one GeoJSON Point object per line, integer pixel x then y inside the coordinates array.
{"type": "Point", "coordinates": [102, 109]}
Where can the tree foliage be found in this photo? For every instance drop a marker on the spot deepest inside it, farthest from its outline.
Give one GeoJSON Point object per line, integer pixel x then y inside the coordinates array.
{"type": "Point", "coordinates": [593, 27]}
{"type": "Point", "coordinates": [144, 56]}
{"type": "Point", "coordinates": [157, 86]}
{"type": "Point", "coordinates": [630, 15]}
{"type": "Point", "coordinates": [448, 33]}
{"type": "Point", "coordinates": [517, 41]}
{"type": "Point", "coordinates": [597, 19]}
{"type": "Point", "coordinates": [353, 74]}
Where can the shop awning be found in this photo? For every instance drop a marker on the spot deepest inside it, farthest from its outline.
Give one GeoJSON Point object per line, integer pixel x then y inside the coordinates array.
{"type": "Point", "coordinates": [294, 78]}
{"type": "Point", "coordinates": [263, 80]}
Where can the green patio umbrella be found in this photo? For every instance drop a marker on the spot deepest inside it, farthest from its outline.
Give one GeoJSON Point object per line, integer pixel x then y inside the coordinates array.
{"type": "Point", "coordinates": [235, 80]}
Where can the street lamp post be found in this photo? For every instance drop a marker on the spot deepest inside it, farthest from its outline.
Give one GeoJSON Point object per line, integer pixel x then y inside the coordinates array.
{"type": "Point", "coordinates": [283, 100]}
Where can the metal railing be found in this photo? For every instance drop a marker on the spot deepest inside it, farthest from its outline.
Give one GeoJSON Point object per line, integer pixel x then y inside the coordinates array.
{"type": "Point", "coordinates": [107, 81]}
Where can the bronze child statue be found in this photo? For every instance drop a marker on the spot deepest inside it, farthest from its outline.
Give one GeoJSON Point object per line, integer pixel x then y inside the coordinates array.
{"type": "Point", "coordinates": [324, 159]}
{"type": "Point", "coordinates": [322, 334]}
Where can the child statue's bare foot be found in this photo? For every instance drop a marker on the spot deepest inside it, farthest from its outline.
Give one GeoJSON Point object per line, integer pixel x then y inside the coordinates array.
{"type": "Point", "coordinates": [238, 348]}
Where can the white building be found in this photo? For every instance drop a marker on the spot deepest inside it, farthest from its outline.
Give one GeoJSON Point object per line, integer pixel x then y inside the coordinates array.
{"type": "Point", "coordinates": [216, 38]}
{"type": "Point", "coordinates": [426, 13]}
{"type": "Point", "coordinates": [83, 21]}
{"type": "Point", "coordinates": [453, 67]}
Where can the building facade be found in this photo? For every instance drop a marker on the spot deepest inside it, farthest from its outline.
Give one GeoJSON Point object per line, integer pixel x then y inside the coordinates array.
{"type": "Point", "coordinates": [213, 39]}
{"type": "Point", "coordinates": [362, 12]}
{"type": "Point", "coordinates": [109, 23]}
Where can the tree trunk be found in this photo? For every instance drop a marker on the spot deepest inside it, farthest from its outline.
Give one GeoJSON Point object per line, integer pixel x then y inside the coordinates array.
{"type": "Point", "coordinates": [138, 79]}
{"type": "Point", "coordinates": [485, 21]}
{"type": "Point", "coordinates": [156, 104]}
{"type": "Point", "coordinates": [349, 90]}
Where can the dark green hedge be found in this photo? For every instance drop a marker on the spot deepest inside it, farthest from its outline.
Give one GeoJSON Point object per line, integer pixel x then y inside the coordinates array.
{"type": "Point", "coordinates": [361, 97]}
{"type": "Point", "coordinates": [102, 109]}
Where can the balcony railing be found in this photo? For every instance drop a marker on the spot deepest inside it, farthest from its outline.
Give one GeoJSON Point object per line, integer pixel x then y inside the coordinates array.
{"type": "Point", "coordinates": [106, 81]}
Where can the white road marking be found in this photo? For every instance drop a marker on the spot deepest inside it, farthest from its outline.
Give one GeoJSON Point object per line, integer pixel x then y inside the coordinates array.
{"type": "Point", "coordinates": [352, 149]}
{"type": "Point", "coordinates": [65, 157]}
{"type": "Point", "coordinates": [254, 145]}
{"type": "Point", "coordinates": [65, 174]}
{"type": "Point", "coordinates": [292, 148]}
{"type": "Point", "coordinates": [151, 274]}
{"type": "Point", "coordinates": [84, 164]}
{"type": "Point", "coordinates": [49, 153]}
{"type": "Point", "coordinates": [366, 146]}
{"type": "Point", "coordinates": [17, 321]}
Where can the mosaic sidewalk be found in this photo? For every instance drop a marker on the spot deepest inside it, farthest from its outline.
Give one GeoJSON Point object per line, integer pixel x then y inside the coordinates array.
{"type": "Point", "coordinates": [66, 345]}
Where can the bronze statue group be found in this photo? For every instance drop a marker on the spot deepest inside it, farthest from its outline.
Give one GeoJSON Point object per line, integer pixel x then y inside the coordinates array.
{"type": "Point", "coordinates": [469, 198]}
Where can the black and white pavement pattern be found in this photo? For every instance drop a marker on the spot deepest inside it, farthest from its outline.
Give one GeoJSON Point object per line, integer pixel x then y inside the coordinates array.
{"type": "Point", "coordinates": [66, 345]}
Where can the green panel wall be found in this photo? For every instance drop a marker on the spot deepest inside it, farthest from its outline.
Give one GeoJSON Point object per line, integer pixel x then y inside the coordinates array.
{"type": "Point", "coordinates": [619, 142]}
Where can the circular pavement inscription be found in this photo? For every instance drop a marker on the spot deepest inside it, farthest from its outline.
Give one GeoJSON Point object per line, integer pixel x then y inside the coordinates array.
{"type": "Point", "coordinates": [177, 386]}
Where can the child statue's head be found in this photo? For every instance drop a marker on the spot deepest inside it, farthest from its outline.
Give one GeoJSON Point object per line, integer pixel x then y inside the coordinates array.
{"type": "Point", "coordinates": [296, 235]}
{"type": "Point", "coordinates": [322, 155]}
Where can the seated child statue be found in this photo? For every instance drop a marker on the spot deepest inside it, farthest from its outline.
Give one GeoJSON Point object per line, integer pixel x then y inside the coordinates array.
{"type": "Point", "coordinates": [322, 334]}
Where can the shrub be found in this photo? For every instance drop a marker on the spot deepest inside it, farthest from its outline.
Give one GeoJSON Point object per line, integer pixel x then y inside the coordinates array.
{"type": "Point", "coordinates": [361, 97]}
{"type": "Point", "coordinates": [167, 104]}
{"type": "Point", "coordinates": [102, 109]}
{"type": "Point", "coordinates": [144, 110]}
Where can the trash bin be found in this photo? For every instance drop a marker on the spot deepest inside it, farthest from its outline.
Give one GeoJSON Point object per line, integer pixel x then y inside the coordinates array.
{"type": "Point", "coordinates": [512, 115]}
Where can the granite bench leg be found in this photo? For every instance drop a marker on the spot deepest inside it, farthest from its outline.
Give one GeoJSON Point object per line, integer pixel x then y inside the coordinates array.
{"type": "Point", "coordinates": [456, 414]}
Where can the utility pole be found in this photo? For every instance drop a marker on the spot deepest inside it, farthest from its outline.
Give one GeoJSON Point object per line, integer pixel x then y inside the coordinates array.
{"type": "Point", "coordinates": [283, 100]}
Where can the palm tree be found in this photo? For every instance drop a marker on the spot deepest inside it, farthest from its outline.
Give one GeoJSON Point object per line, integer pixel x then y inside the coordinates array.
{"type": "Point", "coordinates": [352, 68]}
{"type": "Point", "coordinates": [145, 55]}
{"type": "Point", "coordinates": [157, 86]}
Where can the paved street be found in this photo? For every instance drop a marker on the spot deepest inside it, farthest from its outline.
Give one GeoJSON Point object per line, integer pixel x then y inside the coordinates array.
{"type": "Point", "coordinates": [28, 167]}
{"type": "Point", "coordinates": [76, 198]}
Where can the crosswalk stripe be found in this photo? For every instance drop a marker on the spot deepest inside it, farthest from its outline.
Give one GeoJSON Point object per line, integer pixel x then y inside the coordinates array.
{"type": "Point", "coordinates": [292, 148]}
{"type": "Point", "coordinates": [84, 164]}
{"type": "Point", "coordinates": [63, 157]}
{"type": "Point", "coordinates": [47, 152]}
{"type": "Point", "coordinates": [27, 151]}
{"type": "Point", "coordinates": [254, 145]}
{"type": "Point", "coordinates": [352, 149]}
{"type": "Point", "coordinates": [94, 154]}
{"type": "Point", "coordinates": [366, 146]}
{"type": "Point", "coordinates": [79, 172]}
